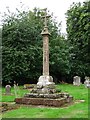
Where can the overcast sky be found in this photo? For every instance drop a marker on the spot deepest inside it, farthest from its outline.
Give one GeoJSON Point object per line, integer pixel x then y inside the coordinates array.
{"type": "Point", "coordinates": [58, 7]}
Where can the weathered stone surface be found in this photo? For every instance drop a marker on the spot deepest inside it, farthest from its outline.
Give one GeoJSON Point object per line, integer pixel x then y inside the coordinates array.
{"type": "Point", "coordinates": [76, 80]}
{"type": "Point", "coordinates": [8, 89]}
{"type": "Point", "coordinates": [87, 82]}
{"type": "Point", "coordinates": [69, 99]}
{"type": "Point", "coordinates": [50, 86]}
{"type": "Point", "coordinates": [8, 106]}
{"type": "Point", "coordinates": [44, 91]}
{"type": "Point", "coordinates": [51, 96]}
{"type": "Point", "coordinates": [26, 86]}
{"type": "Point", "coordinates": [43, 101]}
{"type": "Point", "coordinates": [45, 80]}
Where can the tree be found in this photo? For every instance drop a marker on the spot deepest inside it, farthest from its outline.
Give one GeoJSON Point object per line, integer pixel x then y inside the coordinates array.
{"type": "Point", "coordinates": [59, 58]}
{"type": "Point", "coordinates": [78, 29]}
{"type": "Point", "coordinates": [22, 48]}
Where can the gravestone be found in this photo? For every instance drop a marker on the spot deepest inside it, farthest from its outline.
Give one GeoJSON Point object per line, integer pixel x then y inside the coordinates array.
{"type": "Point", "coordinates": [76, 80]}
{"type": "Point", "coordinates": [8, 89]}
{"type": "Point", "coordinates": [87, 82]}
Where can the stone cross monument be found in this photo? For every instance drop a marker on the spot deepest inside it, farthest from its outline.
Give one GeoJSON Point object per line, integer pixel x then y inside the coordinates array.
{"type": "Point", "coordinates": [45, 79]}
{"type": "Point", "coordinates": [44, 93]}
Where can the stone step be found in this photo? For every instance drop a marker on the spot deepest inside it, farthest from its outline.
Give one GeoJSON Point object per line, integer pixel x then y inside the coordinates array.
{"type": "Point", "coordinates": [51, 96]}
{"type": "Point", "coordinates": [43, 101]}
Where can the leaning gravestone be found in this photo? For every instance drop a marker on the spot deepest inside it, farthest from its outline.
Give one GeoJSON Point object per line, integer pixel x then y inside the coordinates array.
{"type": "Point", "coordinates": [87, 82]}
{"type": "Point", "coordinates": [76, 80]}
{"type": "Point", "coordinates": [8, 89]}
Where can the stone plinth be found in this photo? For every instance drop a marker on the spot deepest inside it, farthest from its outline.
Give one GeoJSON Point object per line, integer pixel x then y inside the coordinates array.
{"type": "Point", "coordinates": [45, 80]}
{"type": "Point", "coordinates": [50, 96]}
{"type": "Point", "coordinates": [44, 101]}
{"type": "Point", "coordinates": [47, 89]}
{"type": "Point", "coordinates": [56, 99]}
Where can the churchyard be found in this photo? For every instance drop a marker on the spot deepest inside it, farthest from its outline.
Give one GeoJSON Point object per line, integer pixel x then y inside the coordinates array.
{"type": "Point", "coordinates": [77, 109]}
{"type": "Point", "coordinates": [58, 72]}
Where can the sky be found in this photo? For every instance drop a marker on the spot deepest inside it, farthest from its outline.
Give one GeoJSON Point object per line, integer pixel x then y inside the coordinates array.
{"type": "Point", "coordinates": [58, 7]}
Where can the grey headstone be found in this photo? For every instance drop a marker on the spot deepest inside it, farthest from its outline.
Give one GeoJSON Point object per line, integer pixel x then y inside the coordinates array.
{"type": "Point", "coordinates": [8, 89]}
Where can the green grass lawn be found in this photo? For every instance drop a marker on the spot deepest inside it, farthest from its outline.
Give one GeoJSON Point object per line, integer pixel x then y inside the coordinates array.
{"type": "Point", "coordinates": [75, 110]}
{"type": "Point", "coordinates": [11, 98]}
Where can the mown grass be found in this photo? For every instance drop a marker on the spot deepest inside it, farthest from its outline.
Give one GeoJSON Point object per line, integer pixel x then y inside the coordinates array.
{"type": "Point", "coordinates": [75, 110]}
{"type": "Point", "coordinates": [10, 98]}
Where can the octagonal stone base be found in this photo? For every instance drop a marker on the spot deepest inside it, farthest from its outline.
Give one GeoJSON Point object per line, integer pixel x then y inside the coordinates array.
{"type": "Point", "coordinates": [44, 93]}
{"type": "Point", "coordinates": [45, 80]}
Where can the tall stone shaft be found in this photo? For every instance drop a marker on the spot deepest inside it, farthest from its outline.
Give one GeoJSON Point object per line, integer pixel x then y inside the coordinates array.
{"type": "Point", "coordinates": [45, 79]}
{"type": "Point", "coordinates": [45, 54]}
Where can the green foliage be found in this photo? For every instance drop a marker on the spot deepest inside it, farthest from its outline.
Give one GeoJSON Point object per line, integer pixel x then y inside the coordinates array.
{"type": "Point", "coordinates": [59, 56]}
{"type": "Point", "coordinates": [22, 47]}
{"type": "Point", "coordinates": [10, 98]}
{"type": "Point", "coordinates": [78, 29]}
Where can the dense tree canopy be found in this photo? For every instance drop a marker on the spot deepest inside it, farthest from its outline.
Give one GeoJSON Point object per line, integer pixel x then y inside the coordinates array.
{"type": "Point", "coordinates": [22, 48]}
{"type": "Point", "coordinates": [22, 45]}
{"type": "Point", "coordinates": [78, 29]}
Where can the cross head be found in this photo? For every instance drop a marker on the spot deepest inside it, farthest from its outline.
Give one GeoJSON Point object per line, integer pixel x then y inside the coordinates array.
{"type": "Point", "coordinates": [45, 17]}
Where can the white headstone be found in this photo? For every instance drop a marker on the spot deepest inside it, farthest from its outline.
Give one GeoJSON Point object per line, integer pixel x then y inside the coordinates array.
{"type": "Point", "coordinates": [87, 82]}
{"type": "Point", "coordinates": [76, 80]}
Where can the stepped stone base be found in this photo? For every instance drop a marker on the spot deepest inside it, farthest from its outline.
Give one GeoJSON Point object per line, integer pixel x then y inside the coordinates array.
{"type": "Point", "coordinates": [45, 93]}
{"type": "Point", "coordinates": [42, 101]}
{"type": "Point", "coordinates": [55, 100]}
